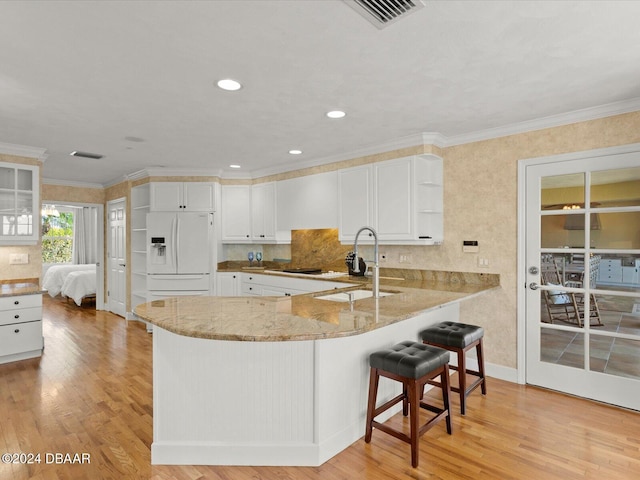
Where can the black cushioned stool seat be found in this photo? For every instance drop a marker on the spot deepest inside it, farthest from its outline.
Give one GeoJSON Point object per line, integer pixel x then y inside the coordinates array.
{"type": "Point", "coordinates": [459, 338]}
{"type": "Point", "coordinates": [413, 364]}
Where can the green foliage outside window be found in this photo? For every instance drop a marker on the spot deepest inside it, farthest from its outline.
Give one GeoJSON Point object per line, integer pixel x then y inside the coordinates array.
{"type": "Point", "coordinates": [57, 238]}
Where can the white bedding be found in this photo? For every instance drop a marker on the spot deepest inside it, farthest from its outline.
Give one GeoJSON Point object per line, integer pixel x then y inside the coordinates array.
{"type": "Point", "coordinates": [56, 275]}
{"type": "Point", "coordinates": [79, 284]}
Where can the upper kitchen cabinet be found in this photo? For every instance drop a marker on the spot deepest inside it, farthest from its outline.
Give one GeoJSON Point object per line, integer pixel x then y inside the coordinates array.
{"type": "Point", "coordinates": [19, 204]}
{"type": "Point", "coordinates": [235, 214]}
{"type": "Point", "coordinates": [401, 199]}
{"type": "Point", "coordinates": [308, 202]}
{"type": "Point", "coordinates": [182, 197]}
{"type": "Point", "coordinates": [248, 214]}
{"type": "Point", "coordinates": [263, 212]}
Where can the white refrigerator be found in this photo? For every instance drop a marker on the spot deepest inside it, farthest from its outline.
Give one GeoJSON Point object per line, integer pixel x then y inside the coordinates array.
{"type": "Point", "coordinates": [178, 254]}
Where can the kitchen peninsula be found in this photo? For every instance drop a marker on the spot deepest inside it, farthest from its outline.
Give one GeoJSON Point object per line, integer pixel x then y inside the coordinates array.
{"type": "Point", "coordinates": [283, 380]}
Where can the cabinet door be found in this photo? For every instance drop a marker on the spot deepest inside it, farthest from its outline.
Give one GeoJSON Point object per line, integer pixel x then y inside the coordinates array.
{"type": "Point", "coordinates": [198, 197]}
{"type": "Point", "coordinates": [166, 197]}
{"type": "Point", "coordinates": [394, 206]}
{"type": "Point", "coordinates": [235, 213]}
{"type": "Point", "coordinates": [228, 284]}
{"type": "Point", "coordinates": [355, 201]}
{"type": "Point", "coordinates": [263, 212]}
{"type": "Point", "coordinates": [308, 202]}
{"type": "Point", "coordinates": [19, 204]}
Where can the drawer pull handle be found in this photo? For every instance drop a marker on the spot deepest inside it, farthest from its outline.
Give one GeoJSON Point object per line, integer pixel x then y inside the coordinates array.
{"type": "Point", "coordinates": [17, 302]}
{"type": "Point", "coordinates": [17, 330]}
{"type": "Point", "coordinates": [16, 316]}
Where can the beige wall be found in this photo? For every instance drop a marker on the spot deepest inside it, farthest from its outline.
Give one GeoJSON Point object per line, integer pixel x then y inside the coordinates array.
{"type": "Point", "coordinates": [34, 268]}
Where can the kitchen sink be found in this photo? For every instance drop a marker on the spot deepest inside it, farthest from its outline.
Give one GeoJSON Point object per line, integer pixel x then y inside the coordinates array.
{"type": "Point", "coordinates": [351, 295]}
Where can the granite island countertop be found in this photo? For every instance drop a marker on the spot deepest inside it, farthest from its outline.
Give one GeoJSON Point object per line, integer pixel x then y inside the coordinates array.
{"type": "Point", "coordinates": [305, 317]}
{"type": "Point", "coordinates": [27, 286]}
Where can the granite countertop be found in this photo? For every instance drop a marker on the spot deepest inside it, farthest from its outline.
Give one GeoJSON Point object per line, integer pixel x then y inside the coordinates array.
{"type": "Point", "coordinates": [305, 317]}
{"type": "Point", "coordinates": [27, 286]}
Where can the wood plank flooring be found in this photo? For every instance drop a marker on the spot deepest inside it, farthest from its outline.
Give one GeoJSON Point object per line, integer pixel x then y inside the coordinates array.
{"type": "Point", "coordinates": [91, 393]}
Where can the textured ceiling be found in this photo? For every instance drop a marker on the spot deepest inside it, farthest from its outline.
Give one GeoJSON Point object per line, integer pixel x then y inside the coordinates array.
{"type": "Point", "coordinates": [135, 81]}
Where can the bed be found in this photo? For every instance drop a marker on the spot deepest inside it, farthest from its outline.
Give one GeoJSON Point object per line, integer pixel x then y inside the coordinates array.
{"type": "Point", "coordinates": [72, 281]}
{"type": "Point", "coordinates": [80, 285]}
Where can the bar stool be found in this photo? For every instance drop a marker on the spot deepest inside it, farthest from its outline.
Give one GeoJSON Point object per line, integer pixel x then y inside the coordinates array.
{"type": "Point", "coordinates": [459, 338]}
{"type": "Point", "coordinates": [413, 364]}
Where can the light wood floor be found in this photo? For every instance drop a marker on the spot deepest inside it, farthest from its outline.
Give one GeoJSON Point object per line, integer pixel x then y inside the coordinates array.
{"type": "Point", "coordinates": [91, 393]}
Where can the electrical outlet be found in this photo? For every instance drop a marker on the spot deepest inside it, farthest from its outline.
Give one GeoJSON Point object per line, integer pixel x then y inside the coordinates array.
{"type": "Point", "coordinates": [405, 258]}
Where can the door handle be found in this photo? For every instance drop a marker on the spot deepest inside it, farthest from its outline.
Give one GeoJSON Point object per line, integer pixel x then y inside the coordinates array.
{"type": "Point", "coordinates": [122, 264]}
{"type": "Point", "coordinates": [533, 286]}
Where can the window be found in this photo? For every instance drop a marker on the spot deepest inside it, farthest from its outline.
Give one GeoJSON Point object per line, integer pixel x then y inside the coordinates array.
{"type": "Point", "coordinates": [57, 235]}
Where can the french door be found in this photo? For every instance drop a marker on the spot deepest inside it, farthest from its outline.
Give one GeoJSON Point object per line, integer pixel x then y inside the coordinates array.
{"type": "Point", "coordinates": [582, 274]}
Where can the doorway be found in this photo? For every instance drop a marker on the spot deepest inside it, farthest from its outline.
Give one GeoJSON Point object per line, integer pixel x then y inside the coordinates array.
{"type": "Point", "coordinates": [579, 266]}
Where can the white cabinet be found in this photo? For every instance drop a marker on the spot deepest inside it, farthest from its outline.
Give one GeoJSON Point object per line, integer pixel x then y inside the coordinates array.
{"type": "Point", "coordinates": [140, 206]}
{"type": "Point", "coordinates": [182, 197]}
{"type": "Point", "coordinates": [355, 198]}
{"type": "Point", "coordinates": [248, 214]}
{"type": "Point", "coordinates": [610, 270]}
{"type": "Point", "coordinates": [263, 212]}
{"type": "Point", "coordinates": [393, 199]}
{"type": "Point", "coordinates": [20, 327]}
{"type": "Point", "coordinates": [275, 285]}
{"type": "Point", "coordinates": [630, 275]}
{"type": "Point", "coordinates": [228, 284]}
{"type": "Point", "coordinates": [401, 199]}
{"type": "Point", "coordinates": [308, 202]}
{"type": "Point", "coordinates": [19, 204]}
{"type": "Point", "coordinates": [235, 213]}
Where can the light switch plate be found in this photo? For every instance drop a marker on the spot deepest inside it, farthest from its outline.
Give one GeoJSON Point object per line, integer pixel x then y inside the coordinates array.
{"type": "Point", "coordinates": [18, 258]}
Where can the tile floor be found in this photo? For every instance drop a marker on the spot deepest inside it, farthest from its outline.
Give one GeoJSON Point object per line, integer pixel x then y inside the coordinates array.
{"type": "Point", "coordinates": [614, 356]}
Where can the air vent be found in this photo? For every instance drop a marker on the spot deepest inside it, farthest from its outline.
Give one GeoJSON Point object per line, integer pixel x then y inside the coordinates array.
{"type": "Point", "coordinates": [382, 13]}
{"type": "Point", "coordinates": [93, 156]}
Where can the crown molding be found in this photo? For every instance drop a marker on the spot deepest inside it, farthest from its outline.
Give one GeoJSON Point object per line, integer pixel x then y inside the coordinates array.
{"type": "Point", "coordinates": [24, 151]}
{"type": "Point", "coordinates": [428, 138]}
{"type": "Point", "coordinates": [575, 116]}
{"type": "Point", "coordinates": [70, 183]}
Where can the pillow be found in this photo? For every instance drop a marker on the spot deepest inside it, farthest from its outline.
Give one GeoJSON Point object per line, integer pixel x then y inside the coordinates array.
{"type": "Point", "coordinates": [558, 297]}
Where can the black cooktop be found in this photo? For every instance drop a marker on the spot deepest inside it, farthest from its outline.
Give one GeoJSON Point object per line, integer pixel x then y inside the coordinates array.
{"type": "Point", "coordinates": [306, 271]}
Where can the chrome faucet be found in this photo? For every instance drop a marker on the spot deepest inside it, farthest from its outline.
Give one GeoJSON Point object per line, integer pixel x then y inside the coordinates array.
{"type": "Point", "coordinates": [356, 262]}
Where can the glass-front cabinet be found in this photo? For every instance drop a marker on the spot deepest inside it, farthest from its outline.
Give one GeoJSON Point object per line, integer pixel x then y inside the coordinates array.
{"type": "Point", "coordinates": [19, 204]}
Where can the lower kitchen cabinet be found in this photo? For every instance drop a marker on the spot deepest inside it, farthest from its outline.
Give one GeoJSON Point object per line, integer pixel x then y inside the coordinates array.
{"type": "Point", "coordinates": [228, 284]}
{"type": "Point", "coordinates": [20, 327]}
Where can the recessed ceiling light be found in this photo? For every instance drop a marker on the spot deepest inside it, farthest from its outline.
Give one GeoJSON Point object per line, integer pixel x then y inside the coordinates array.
{"type": "Point", "coordinates": [228, 84]}
{"type": "Point", "coordinates": [295, 152]}
{"type": "Point", "coordinates": [234, 166]}
{"type": "Point", "coordinates": [336, 114]}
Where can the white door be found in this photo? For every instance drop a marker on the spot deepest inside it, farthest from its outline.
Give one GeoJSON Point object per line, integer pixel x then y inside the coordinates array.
{"type": "Point", "coordinates": [582, 335]}
{"type": "Point", "coordinates": [117, 257]}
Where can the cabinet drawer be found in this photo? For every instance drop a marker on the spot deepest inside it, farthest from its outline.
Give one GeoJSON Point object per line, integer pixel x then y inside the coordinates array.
{"type": "Point", "coordinates": [20, 301]}
{"type": "Point", "coordinates": [20, 337]}
{"type": "Point", "coordinates": [251, 289]}
{"type": "Point", "coordinates": [8, 317]}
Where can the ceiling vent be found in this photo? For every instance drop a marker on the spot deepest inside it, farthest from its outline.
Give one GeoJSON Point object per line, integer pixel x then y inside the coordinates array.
{"type": "Point", "coordinates": [382, 13]}
{"type": "Point", "coordinates": [93, 156]}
